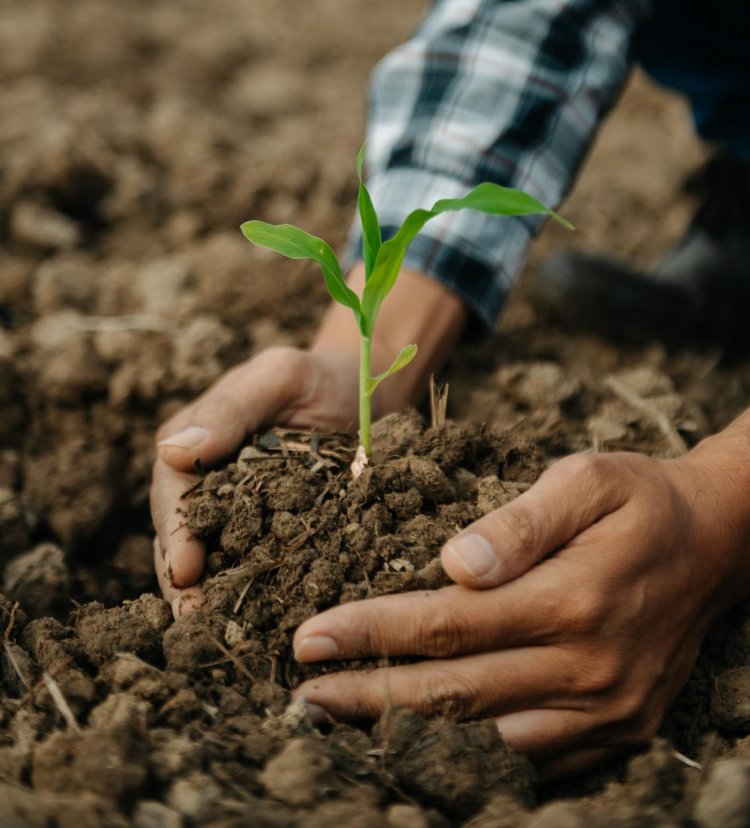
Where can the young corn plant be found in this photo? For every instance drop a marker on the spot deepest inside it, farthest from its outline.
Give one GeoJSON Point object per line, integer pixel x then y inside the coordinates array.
{"type": "Point", "coordinates": [382, 261]}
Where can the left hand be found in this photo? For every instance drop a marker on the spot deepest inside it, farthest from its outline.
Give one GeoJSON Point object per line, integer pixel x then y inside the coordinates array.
{"type": "Point", "coordinates": [288, 386]}
{"type": "Point", "coordinates": [574, 626]}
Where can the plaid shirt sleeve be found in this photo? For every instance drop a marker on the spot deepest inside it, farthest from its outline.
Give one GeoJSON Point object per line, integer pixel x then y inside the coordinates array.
{"type": "Point", "coordinates": [509, 91]}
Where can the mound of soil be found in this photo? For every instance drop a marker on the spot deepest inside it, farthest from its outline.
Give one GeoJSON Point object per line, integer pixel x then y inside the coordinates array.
{"type": "Point", "coordinates": [290, 532]}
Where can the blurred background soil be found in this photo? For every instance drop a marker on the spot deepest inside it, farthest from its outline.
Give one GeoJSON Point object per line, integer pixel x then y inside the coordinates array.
{"type": "Point", "coordinates": [134, 139]}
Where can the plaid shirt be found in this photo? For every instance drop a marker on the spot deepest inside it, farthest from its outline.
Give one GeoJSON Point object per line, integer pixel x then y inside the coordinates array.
{"type": "Point", "coordinates": [509, 91]}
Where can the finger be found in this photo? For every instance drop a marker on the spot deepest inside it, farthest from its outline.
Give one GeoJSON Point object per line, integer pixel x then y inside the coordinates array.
{"type": "Point", "coordinates": [507, 542]}
{"type": "Point", "coordinates": [464, 687]}
{"type": "Point", "coordinates": [434, 623]}
{"type": "Point", "coordinates": [562, 742]}
{"type": "Point", "coordinates": [542, 733]}
{"type": "Point", "coordinates": [184, 556]}
{"type": "Point", "coordinates": [181, 600]}
{"type": "Point", "coordinates": [244, 399]}
{"type": "Point", "coordinates": [239, 403]}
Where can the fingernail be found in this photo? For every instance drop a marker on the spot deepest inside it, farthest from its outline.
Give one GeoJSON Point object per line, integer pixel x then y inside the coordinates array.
{"type": "Point", "coordinates": [473, 553]}
{"type": "Point", "coordinates": [187, 439]}
{"type": "Point", "coordinates": [316, 648]}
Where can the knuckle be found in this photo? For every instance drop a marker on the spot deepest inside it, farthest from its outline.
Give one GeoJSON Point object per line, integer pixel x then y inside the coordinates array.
{"type": "Point", "coordinates": [575, 465]}
{"type": "Point", "coordinates": [450, 694]}
{"type": "Point", "coordinates": [374, 641]}
{"type": "Point", "coordinates": [600, 675]}
{"type": "Point", "coordinates": [591, 471]}
{"type": "Point", "coordinates": [588, 613]}
{"type": "Point", "coordinates": [440, 633]}
{"type": "Point", "coordinates": [373, 635]}
{"type": "Point", "coordinates": [520, 528]}
{"type": "Point", "coordinates": [285, 360]}
{"type": "Point", "coordinates": [366, 637]}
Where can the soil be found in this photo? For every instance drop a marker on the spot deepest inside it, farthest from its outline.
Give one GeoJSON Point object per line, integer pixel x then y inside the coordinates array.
{"type": "Point", "coordinates": [287, 538]}
{"type": "Point", "coordinates": [133, 141]}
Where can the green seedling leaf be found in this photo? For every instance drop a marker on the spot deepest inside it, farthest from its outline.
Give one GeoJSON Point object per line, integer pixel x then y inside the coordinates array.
{"type": "Point", "coordinates": [499, 201]}
{"type": "Point", "coordinates": [294, 243]}
{"type": "Point", "coordinates": [485, 198]}
{"type": "Point", "coordinates": [382, 262]}
{"type": "Point", "coordinates": [371, 238]}
{"type": "Point", "coordinates": [406, 355]}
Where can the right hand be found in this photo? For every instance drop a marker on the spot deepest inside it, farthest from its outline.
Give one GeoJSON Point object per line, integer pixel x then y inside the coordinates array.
{"type": "Point", "coordinates": [285, 386]}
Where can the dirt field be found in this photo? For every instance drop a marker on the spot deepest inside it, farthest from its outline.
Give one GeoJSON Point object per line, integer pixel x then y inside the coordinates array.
{"type": "Point", "coordinates": [134, 139]}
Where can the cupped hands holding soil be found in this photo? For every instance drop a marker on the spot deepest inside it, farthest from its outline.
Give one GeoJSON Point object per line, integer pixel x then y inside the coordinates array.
{"type": "Point", "coordinates": [289, 532]}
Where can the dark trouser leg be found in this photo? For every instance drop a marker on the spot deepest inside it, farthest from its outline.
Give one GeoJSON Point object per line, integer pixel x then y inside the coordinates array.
{"type": "Point", "coordinates": [701, 49]}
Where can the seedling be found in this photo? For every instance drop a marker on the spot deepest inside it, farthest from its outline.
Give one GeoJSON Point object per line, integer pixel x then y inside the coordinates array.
{"type": "Point", "coordinates": [382, 261]}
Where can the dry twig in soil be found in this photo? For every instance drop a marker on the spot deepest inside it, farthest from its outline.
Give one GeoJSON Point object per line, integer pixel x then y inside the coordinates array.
{"type": "Point", "coordinates": [438, 402]}
{"type": "Point", "coordinates": [648, 409]}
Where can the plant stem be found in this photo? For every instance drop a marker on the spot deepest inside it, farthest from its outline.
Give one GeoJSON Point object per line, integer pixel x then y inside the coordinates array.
{"type": "Point", "coordinates": [365, 394]}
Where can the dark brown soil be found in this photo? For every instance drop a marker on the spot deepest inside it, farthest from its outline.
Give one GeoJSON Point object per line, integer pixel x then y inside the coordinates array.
{"type": "Point", "coordinates": [290, 537]}
{"type": "Point", "coordinates": [133, 140]}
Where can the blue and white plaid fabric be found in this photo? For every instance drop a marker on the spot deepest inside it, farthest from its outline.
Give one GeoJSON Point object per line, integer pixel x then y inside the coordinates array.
{"type": "Point", "coordinates": [509, 91]}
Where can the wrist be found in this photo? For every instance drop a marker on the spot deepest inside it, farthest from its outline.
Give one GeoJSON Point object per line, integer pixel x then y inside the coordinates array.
{"type": "Point", "coordinates": [716, 478]}
{"type": "Point", "coordinates": [418, 310]}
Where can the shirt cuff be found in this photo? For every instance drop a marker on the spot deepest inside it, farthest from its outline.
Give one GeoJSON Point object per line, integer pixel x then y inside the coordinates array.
{"type": "Point", "coordinates": [477, 256]}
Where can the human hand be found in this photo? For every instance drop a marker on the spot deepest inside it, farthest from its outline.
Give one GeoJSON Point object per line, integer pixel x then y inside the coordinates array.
{"type": "Point", "coordinates": [284, 386]}
{"type": "Point", "coordinates": [577, 616]}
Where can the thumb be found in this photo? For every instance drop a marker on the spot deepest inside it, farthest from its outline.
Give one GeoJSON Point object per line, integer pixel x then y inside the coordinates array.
{"type": "Point", "coordinates": [566, 500]}
{"type": "Point", "coordinates": [245, 398]}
